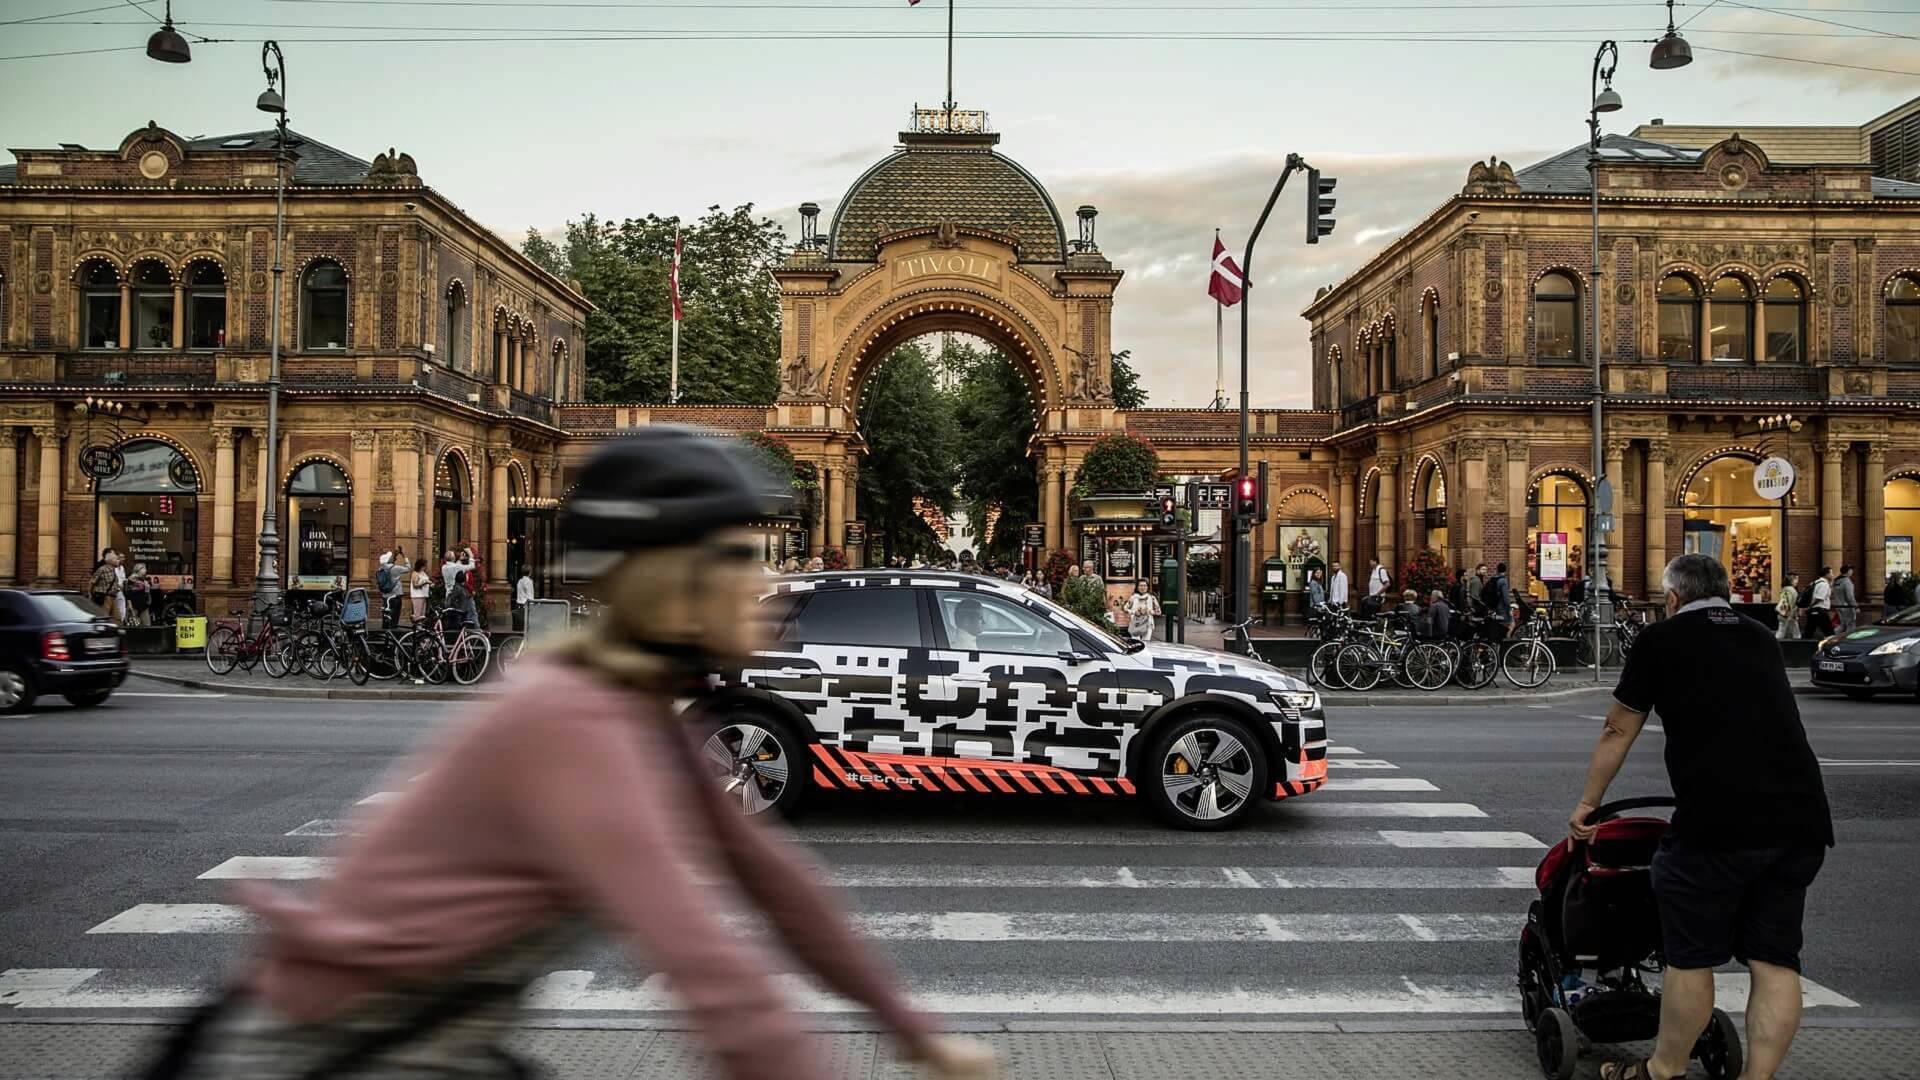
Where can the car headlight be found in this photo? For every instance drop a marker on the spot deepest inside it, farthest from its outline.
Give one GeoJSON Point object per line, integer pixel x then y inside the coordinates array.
{"type": "Point", "coordinates": [1894, 647]}
{"type": "Point", "coordinates": [1303, 700]}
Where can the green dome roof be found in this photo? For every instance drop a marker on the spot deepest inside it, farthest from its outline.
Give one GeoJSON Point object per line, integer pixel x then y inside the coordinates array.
{"type": "Point", "coordinates": [933, 179]}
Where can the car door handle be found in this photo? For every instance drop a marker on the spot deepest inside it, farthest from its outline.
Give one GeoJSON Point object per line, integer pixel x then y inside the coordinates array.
{"type": "Point", "coordinates": [971, 680]}
{"type": "Point", "coordinates": [794, 672]}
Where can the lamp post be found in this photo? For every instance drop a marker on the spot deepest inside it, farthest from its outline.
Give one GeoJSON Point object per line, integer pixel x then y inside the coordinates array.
{"type": "Point", "coordinates": [266, 577]}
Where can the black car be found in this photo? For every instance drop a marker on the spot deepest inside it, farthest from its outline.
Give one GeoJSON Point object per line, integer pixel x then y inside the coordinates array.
{"type": "Point", "coordinates": [1868, 660]}
{"type": "Point", "coordinates": [53, 641]}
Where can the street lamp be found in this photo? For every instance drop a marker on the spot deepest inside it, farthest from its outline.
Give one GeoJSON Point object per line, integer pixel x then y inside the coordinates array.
{"type": "Point", "coordinates": [266, 577]}
{"type": "Point", "coordinates": [1670, 52]}
{"type": "Point", "coordinates": [166, 45]}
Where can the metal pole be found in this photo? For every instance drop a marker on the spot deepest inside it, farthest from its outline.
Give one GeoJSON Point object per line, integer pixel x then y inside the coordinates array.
{"type": "Point", "coordinates": [949, 67]}
{"type": "Point", "coordinates": [673, 374]}
{"type": "Point", "coordinates": [1597, 543]}
{"type": "Point", "coordinates": [1242, 551]}
{"type": "Point", "coordinates": [266, 576]}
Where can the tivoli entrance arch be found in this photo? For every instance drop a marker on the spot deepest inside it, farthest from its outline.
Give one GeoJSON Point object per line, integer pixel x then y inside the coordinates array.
{"type": "Point", "coordinates": [945, 234]}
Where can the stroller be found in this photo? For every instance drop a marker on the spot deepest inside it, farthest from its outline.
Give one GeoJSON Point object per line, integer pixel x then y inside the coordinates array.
{"type": "Point", "coordinates": [1590, 939]}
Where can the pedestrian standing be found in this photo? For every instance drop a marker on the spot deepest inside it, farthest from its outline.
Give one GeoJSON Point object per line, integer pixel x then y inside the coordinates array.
{"type": "Point", "coordinates": [1316, 591]}
{"type": "Point", "coordinates": [1337, 587]}
{"type": "Point", "coordinates": [522, 596]}
{"type": "Point", "coordinates": [105, 585]}
{"type": "Point", "coordinates": [1751, 825]}
{"type": "Point", "coordinates": [391, 580]}
{"type": "Point", "coordinates": [1788, 608]}
{"type": "Point", "coordinates": [449, 566]}
{"type": "Point", "coordinates": [1497, 594]}
{"type": "Point", "coordinates": [120, 590]}
{"type": "Point", "coordinates": [1439, 615]}
{"type": "Point", "coordinates": [139, 593]}
{"type": "Point", "coordinates": [1846, 607]}
{"type": "Point", "coordinates": [419, 588]}
{"type": "Point", "coordinates": [1820, 607]}
{"type": "Point", "coordinates": [1140, 609]}
{"type": "Point", "coordinates": [1377, 578]}
{"type": "Point", "coordinates": [816, 565]}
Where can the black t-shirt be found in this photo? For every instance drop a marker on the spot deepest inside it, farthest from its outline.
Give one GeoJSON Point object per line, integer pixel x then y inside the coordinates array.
{"type": "Point", "coordinates": [1742, 772]}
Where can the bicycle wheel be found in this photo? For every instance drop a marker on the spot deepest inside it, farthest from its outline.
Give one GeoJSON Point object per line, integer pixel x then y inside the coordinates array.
{"type": "Point", "coordinates": [1320, 667]}
{"type": "Point", "coordinates": [428, 657]}
{"type": "Point", "coordinates": [326, 660]}
{"type": "Point", "coordinates": [1396, 660]}
{"type": "Point", "coordinates": [1528, 664]}
{"type": "Point", "coordinates": [508, 653]}
{"type": "Point", "coordinates": [1427, 666]}
{"type": "Point", "coordinates": [223, 650]}
{"type": "Point", "coordinates": [278, 654]}
{"type": "Point", "coordinates": [1479, 664]}
{"type": "Point", "coordinates": [471, 651]}
{"type": "Point", "coordinates": [357, 665]}
{"type": "Point", "coordinates": [381, 652]}
{"type": "Point", "coordinates": [1358, 666]}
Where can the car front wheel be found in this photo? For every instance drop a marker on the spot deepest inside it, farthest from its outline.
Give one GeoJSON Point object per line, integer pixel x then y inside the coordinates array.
{"type": "Point", "coordinates": [1204, 773]}
{"type": "Point", "coordinates": [757, 762]}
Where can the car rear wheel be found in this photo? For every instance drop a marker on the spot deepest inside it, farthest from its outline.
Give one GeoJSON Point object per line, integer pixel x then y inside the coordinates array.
{"type": "Point", "coordinates": [1204, 773]}
{"type": "Point", "coordinates": [756, 760]}
{"type": "Point", "coordinates": [16, 691]}
{"type": "Point", "coordinates": [87, 699]}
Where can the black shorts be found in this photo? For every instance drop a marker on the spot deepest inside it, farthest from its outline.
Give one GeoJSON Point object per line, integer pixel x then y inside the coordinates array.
{"type": "Point", "coordinates": [1717, 906]}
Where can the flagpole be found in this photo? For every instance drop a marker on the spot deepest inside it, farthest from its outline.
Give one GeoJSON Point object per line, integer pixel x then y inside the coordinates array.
{"type": "Point", "coordinates": [673, 370]}
{"type": "Point", "coordinates": [1219, 346]}
{"type": "Point", "coordinates": [949, 67]}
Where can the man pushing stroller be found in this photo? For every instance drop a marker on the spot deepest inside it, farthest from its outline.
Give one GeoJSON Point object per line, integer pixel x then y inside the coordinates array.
{"type": "Point", "coordinates": [1751, 824]}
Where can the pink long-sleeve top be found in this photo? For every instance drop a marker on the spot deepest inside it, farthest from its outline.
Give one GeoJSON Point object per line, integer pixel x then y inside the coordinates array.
{"type": "Point", "coordinates": [571, 792]}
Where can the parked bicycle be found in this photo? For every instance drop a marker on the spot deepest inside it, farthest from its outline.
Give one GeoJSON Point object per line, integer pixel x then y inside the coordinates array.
{"type": "Point", "coordinates": [255, 636]}
{"type": "Point", "coordinates": [1392, 651]}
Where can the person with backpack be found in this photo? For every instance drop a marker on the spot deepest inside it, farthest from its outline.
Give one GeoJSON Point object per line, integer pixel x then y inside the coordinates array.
{"type": "Point", "coordinates": [390, 581]}
{"type": "Point", "coordinates": [1378, 579]}
{"type": "Point", "coordinates": [1497, 595]}
{"type": "Point", "coordinates": [1787, 607]}
{"type": "Point", "coordinates": [1819, 605]}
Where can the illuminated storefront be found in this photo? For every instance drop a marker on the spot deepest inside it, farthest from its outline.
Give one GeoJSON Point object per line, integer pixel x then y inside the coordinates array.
{"type": "Point", "coordinates": [1903, 524]}
{"type": "Point", "coordinates": [1727, 519]}
{"type": "Point", "coordinates": [1556, 507]}
{"type": "Point", "coordinates": [149, 512]}
{"type": "Point", "coordinates": [320, 513]}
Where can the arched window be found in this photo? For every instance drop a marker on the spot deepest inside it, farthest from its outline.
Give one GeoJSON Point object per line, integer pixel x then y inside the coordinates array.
{"type": "Point", "coordinates": [449, 501]}
{"type": "Point", "coordinates": [1903, 321]}
{"type": "Point", "coordinates": [152, 305]}
{"type": "Point", "coordinates": [1433, 336]}
{"type": "Point", "coordinates": [323, 307]}
{"type": "Point", "coordinates": [1732, 319]}
{"type": "Point", "coordinates": [320, 511]}
{"type": "Point", "coordinates": [1679, 318]}
{"type": "Point", "coordinates": [1786, 321]}
{"type": "Point", "coordinates": [457, 329]}
{"type": "Point", "coordinates": [1556, 317]}
{"type": "Point", "coordinates": [1392, 360]}
{"type": "Point", "coordinates": [1432, 491]}
{"type": "Point", "coordinates": [100, 305]}
{"type": "Point", "coordinates": [1728, 520]}
{"type": "Point", "coordinates": [1556, 515]}
{"type": "Point", "coordinates": [206, 306]}
{"type": "Point", "coordinates": [1902, 496]}
{"type": "Point", "coordinates": [148, 512]}
{"type": "Point", "coordinates": [559, 371]}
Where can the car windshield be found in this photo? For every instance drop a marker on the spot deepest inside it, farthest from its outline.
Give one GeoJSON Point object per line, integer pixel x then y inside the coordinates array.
{"type": "Point", "coordinates": [66, 607]}
{"type": "Point", "coordinates": [1110, 634]}
{"type": "Point", "coordinates": [1907, 617]}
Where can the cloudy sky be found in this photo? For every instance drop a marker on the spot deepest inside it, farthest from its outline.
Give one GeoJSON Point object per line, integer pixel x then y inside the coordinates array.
{"type": "Point", "coordinates": [1172, 116]}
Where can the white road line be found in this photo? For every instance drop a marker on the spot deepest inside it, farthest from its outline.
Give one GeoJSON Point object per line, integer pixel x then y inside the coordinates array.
{"type": "Point", "coordinates": [1344, 750]}
{"type": "Point", "coordinates": [178, 919]}
{"type": "Point", "coordinates": [378, 797]}
{"type": "Point", "coordinates": [1446, 839]}
{"type": "Point", "coordinates": [1330, 808]}
{"type": "Point", "coordinates": [1360, 763]}
{"type": "Point", "coordinates": [156, 693]}
{"type": "Point", "coordinates": [1909, 764]}
{"type": "Point", "coordinates": [886, 875]}
{"type": "Point", "coordinates": [574, 991]}
{"type": "Point", "coordinates": [326, 827]}
{"type": "Point", "coordinates": [1381, 783]}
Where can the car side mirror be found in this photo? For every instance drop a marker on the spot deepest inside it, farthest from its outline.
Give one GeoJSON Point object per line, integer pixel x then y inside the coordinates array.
{"type": "Point", "coordinates": [1074, 656]}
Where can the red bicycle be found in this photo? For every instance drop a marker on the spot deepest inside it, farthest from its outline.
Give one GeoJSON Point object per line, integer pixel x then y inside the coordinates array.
{"type": "Point", "coordinates": [231, 645]}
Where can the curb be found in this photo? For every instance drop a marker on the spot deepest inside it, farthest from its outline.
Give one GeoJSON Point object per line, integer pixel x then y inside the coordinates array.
{"type": "Point", "coordinates": [299, 693]}
{"type": "Point", "coordinates": [1347, 699]}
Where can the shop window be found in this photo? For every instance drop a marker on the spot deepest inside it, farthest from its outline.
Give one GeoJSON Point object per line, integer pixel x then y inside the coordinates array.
{"type": "Point", "coordinates": [1786, 321]}
{"type": "Point", "coordinates": [149, 513]}
{"type": "Point", "coordinates": [152, 306]}
{"type": "Point", "coordinates": [1557, 526]}
{"type": "Point", "coordinates": [457, 330]}
{"type": "Point", "coordinates": [1903, 321]}
{"type": "Point", "coordinates": [1902, 496]}
{"type": "Point", "coordinates": [1679, 318]}
{"type": "Point", "coordinates": [1556, 317]}
{"type": "Point", "coordinates": [449, 502]}
{"type": "Point", "coordinates": [207, 306]}
{"type": "Point", "coordinates": [323, 307]}
{"type": "Point", "coordinates": [1732, 319]}
{"type": "Point", "coordinates": [320, 511]}
{"type": "Point", "coordinates": [100, 305]}
{"type": "Point", "coordinates": [1433, 507]}
{"type": "Point", "coordinates": [1727, 520]}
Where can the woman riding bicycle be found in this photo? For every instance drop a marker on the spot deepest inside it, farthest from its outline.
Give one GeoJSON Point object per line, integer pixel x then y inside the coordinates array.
{"type": "Point", "coordinates": [578, 795]}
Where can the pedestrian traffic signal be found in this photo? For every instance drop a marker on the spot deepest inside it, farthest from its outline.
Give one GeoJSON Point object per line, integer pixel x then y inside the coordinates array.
{"type": "Point", "coordinates": [1247, 499]}
{"type": "Point", "coordinates": [1319, 205]}
{"type": "Point", "coordinates": [1168, 517]}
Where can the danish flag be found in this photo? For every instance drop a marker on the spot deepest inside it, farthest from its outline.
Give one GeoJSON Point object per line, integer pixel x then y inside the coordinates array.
{"type": "Point", "coordinates": [674, 275]}
{"type": "Point", "coordinates": [1226, 285]}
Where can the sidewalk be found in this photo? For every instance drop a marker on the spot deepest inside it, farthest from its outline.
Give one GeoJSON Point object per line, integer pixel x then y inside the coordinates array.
{"type": "Point", "coordinates": [1398, 1048]}
{"type": "Point", "coordinates": [191, 672]}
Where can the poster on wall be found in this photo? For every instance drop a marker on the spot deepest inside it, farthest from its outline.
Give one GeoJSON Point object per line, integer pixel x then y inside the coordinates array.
{"type": "Point", "coordinates": [1306, 550]}
{"type": "Point", "coordinates": [1090, 550]}
{"type": "Point", "coordinates": [1899, 554]}
{"type": "Point", "coordinates": [1553, 556]}
{"type": "Point", "coordinates": [796, 543]}
{"type": "Point", "coordinates": [1123, 559]}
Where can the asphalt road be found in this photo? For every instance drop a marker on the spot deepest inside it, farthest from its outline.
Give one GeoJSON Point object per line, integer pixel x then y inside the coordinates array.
{"type": "Point", "coordinates": [1396, 894]}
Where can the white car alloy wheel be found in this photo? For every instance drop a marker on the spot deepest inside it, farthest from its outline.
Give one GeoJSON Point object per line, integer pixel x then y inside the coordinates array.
{"type": "Point", "coordinates": [750, 762]}
{"type": "Point", "coordinates": [1208, 774]}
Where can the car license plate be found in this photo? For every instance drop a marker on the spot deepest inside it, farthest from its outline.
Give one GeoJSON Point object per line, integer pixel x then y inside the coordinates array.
{"type": "Point", "coordinates": [102, 645]}
{"type": "Point", "coordinates": [1832, 665]}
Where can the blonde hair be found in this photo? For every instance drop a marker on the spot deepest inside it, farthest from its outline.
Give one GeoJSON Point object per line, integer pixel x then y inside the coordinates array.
{"type": "Point", "coordinates": [653, 597]}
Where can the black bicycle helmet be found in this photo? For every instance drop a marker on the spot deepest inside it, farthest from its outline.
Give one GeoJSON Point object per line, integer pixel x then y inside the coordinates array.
{"type": "Point", "coordinates": [665, 486]}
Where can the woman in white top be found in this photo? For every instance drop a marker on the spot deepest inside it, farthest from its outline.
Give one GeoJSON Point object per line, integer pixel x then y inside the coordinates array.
{"type": "Point", "coordinates": [1140, 609]}
{"type": "Point", "coordinates": [419, 587]}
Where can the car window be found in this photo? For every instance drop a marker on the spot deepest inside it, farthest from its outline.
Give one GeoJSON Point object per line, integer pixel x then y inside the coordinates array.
{"type": "Point", "coordinates": [776, 612]}
{"type": "Point", "coordinates": [1906, 617]}
{"type": "Point", "coordinates": [978, 622]}
{"type": "Point", "coordinates": [858, 616]}
{"type": "Point", "coordinates": [66, 607]}
{"type": "Point", "coordinates": [12, 610]}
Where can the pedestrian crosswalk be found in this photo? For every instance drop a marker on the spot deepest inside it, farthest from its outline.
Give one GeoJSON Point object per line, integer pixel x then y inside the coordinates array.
{"type": "Point", "coordinates": [1375, 896]}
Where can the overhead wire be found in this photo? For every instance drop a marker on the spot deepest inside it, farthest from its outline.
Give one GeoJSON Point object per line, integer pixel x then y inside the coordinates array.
{"type": "Point", "coordinates": [1793, 14]}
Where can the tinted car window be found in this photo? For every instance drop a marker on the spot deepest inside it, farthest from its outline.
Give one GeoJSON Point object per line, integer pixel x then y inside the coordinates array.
{"type": "Point", "coordinates": [776, 612]}
{"type": "Point", "coordinates": [67, 607]}
{"type": "Point", "coordinates": [13, 610]}
{"type": "Point", "coordinates": [858, 617]}
{"type": "Point", "coordinates": [980, 623]}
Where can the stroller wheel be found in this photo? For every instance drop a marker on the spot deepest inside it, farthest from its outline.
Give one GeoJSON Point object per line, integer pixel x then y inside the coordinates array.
{"type": "Point", "coordinates": [1719, 1047]}
{"type": "Point", "coordinates": [1558, 1043]}
{"type": "Point", "coordinates": [1535, 981]}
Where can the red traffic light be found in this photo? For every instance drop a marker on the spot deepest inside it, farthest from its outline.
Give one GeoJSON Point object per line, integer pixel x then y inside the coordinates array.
{"type": "Point", "coordinates": [1247, 488]}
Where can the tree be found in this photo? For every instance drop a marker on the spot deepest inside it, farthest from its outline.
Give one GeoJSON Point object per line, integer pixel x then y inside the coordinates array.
{"type": "Point", "coordinates": [908, 424]}
{"type": "Point", "coordinates": [730, 333]}
{"type": "Point", "coordinates": [992, 406]}
{"type": "Point", "coordinates": [1127, 391]}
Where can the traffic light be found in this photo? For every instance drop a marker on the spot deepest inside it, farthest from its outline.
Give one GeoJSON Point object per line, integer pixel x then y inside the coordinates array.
{"type": "Point", "coordinates": [1246, 494]}
{"type": "Point", "coordinates": [1168, 517]}
{"type": "Point", "coordinates": [1319, 205]}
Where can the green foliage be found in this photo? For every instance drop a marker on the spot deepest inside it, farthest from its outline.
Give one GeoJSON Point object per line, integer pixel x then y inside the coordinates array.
{"type": "Point", "coordinates": [1203, 573]}
{"type": "Point", "coordinates": [911, 440]}
{"type": "Point", "coordinates": [1086, 597]}
{"type": "Point", "coordinates": [730, 335]}
{"type": "Point", "coordinates": [1120, 463]}
{"type": "Point", "coordinates": [772, 453]}
{"type": "Point", "coordinates": [992, 409]}
{"type": "Point", "coordinates": [1127, 391]}
{"type": "Point", "coordinates": [1426, 572]}
{"type": "Point", "coordinates": [1059, 561]}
